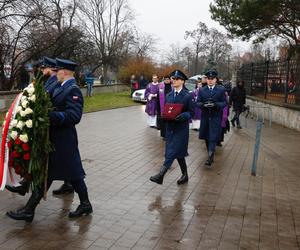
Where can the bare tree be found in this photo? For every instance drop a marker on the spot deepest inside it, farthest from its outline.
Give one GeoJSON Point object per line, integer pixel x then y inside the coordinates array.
{"type": "Point", "coordinates": [218, 47]}
{"type": "Point", "coordinates": [107, 22]}
{"type": "Point", "coordinates": [141, 45]}
{"type": "Point", "coordinates": [198, 37]}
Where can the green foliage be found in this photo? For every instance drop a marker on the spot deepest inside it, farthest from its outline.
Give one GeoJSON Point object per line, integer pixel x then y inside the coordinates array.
{"type": "Point", "coordinates": [105, 101]}
{"type": "Point", "coordinates": [40, 147]}
{"type": "Point", "coordinates": [259, 18]}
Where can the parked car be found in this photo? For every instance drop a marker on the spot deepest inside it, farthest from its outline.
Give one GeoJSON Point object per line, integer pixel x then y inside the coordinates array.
{"type": "Point", "coordinates": [139, 96]}
{"type": "Point", "coordinates": [190, 84]}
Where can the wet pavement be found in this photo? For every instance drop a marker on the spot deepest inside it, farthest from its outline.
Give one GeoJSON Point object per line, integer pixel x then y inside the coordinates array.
{"type": "Point", "coordinates": [220, 208]}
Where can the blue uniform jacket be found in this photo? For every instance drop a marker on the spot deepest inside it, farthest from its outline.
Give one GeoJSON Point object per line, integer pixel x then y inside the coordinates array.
{"type": "Point", "coordinates": [177, 132]}
{"type": "Point", "coordinates": [64, 161]}
{"type": "Point", "coordinates": [211, 119]}
{"type": "Point", "coordinates": [51, 84]}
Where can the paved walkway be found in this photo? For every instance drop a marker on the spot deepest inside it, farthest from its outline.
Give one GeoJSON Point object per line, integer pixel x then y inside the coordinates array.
{"type": "Point", "coordinates": [221, 208]}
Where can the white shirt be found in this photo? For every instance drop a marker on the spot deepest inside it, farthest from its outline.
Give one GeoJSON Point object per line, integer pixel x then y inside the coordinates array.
{"type": "Point", "coordinates": [178, 91]}
{"type": "Point", "coordinates": [211, 87]}
{"type": "Point", "coordinates": [66, 81]}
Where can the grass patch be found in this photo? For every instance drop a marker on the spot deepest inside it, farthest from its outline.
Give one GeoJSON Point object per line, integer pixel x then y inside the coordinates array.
{"type": "Point", "coordinates": [98, 102]}
{"type": "Point", "coordinates": [104, 101]}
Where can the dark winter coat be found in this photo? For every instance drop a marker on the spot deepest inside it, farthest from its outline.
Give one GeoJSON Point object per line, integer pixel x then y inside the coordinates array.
{"type": "Point", "coordinates": [211, 118]}
{"type": "Point", "coordinates": [64, 161]}
{"type": "Point", "coordinates": [177, 132]}
{"type": "Point", "coordinates": [237, 98]}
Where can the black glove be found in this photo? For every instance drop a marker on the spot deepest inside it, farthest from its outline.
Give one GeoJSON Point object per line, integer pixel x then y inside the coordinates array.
{"type": "Point", "coordinates": [209, 105]}
{"type": "Point", "coordinates": [179, 118]}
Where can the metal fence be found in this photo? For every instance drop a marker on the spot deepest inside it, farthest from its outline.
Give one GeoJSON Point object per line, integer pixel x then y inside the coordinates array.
{"type": "Point", "coordinates": [277, 81]}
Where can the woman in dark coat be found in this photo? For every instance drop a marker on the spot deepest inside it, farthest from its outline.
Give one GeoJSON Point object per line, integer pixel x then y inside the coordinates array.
{"type": "Point", "coordinates": [177, 131]}
{"type": "Point", "coordinates": [238, 100]}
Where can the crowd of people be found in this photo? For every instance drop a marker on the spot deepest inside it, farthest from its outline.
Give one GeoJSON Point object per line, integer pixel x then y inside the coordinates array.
{"type": "Point", "coordinates": [206, 109]}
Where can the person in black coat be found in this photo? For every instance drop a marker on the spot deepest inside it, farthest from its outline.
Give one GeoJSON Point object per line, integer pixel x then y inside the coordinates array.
{"type": "Point", "coordinates": [212, 100]}
{"type": "Point", "coordinates": [237, 99]}
{"type": "Point", "coordinates": [177, 131]}
{"type": "Point", "coordinates": [64, 161]}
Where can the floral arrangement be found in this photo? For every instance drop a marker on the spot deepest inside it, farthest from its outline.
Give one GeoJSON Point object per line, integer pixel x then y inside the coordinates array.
{"type": "Point", "coordinates": [28, 136]}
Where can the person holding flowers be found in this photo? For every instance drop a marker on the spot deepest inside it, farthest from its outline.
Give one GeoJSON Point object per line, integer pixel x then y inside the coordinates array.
{"type": "Point", "coordinates": [64, 160]}
{"type": "Point", "coordinates": [48, 68]}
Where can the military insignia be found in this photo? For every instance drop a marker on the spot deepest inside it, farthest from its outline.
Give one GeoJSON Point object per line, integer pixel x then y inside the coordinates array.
{"type": "Point", "coordinates": [75, 97]}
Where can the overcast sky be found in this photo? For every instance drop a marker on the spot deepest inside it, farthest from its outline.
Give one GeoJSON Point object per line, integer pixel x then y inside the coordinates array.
{"type": "Point", "coordinates": [168, 20]}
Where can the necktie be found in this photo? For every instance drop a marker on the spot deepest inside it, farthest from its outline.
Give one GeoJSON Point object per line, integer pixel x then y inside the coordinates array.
{"type": "Point", "coordinates": [210, 89]}
{"type": "Point", "coordinates": [176, 93]}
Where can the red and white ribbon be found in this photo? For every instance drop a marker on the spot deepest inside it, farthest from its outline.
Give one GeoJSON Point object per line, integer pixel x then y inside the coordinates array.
{"type": "Point", "coordinates": [4, 150]}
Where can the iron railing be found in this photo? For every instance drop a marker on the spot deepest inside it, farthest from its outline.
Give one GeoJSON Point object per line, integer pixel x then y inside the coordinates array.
{"type": "Point", "coordinates": [278, 81]}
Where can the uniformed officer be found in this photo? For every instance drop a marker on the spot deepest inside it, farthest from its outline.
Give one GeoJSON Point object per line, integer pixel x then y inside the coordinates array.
{"type": "Point", "coordinates": [64, 161]}
{"type": "Point", "coordinates": [48, 68]}
{"type": "Point", "coordinates": [177, 131]}
{"type": "Point", "coordinates": [212, 100]}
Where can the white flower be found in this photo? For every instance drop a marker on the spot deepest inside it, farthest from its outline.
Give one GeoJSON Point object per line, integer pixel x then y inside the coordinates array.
{"type": "Point", "coordinates": [14, 135]}
{"type": "Point", "coordinates": [30, 91]}
{"type": "Point", "coordinates": [20, 125]}
{"type": "Point", "coordinates": [28, 123]}
{"type": "Point", "coordinates": [28, 111]}
{"type": "Point", "coordinates": [32, 98]}
{"type": "Point", "coordinates": [24, 104]}
{"type": "Point", "coordinates": [24, 138]}
{"type": "Point", "coordinates": [14, 123]}
{"type": "Point", "coordinates": [19, 109]}
{"type": "Point", "coordinates": [23, 98]}
{"type": "Point", "coordinates": [30, 85]}
{"type": "Point", "coordinates": [23, 113]}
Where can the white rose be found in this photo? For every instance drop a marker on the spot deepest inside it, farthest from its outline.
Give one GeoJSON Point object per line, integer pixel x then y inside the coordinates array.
{"type": "Point", "coordinates": [24, 104]}
{"type": "Point", "coordinates": [30, 91]}
{"type": "Point", "coordinates": [23, 98]}
{"type": "Point", "coordinates": [14, 135]}
{"type": "Point", "coordinates": [32, 98]}
{"type": "Point", "coordinates": [23, 113]}
{"type": "Point", "coordinates": [25, 89]}
{"type": "Point", "coordinates": [20, 125]}
{"type": "Point", "coordinates": [28, 123]}
{"type": "Point", "coordinates": [28, 111]}
{"type": "Point", "coordinates": [18, 109]}
{"type": "Point", "coordinates": [24, 138]}
{"type": "Point", "coordinates": [14, 123]}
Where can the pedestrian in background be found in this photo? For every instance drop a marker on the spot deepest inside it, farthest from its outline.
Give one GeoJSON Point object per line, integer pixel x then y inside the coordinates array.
{"type": "Point", "coordinates": [89, 80]}
{"type": "Point", "coordinates": [237, 99]}
{"type": "Point", "coordinates": [151, 95]}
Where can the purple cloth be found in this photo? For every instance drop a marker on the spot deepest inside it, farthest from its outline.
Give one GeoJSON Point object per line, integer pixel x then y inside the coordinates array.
{"type": "Point", "coordinates": [197, 110]}
{"type": "Point", "coordinates": [161, 88]}
{"type": "Point", "coordinates": [225, 116]}
{"type": "Point", "coordinates": [151, 106]}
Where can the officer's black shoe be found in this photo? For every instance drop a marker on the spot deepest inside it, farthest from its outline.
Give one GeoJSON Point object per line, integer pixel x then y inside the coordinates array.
{"type": "Point", "coordinates": [84, 208]}
{"type": "Point", "coordinates": [239, 126]}
{"type": "Point", "coordinates": [184, 178]}
{"type": "Point", "coordinates": [65, 188]}
{"type": "Point", "coordinates": [21, 190]}
{"type": "Point", "coordinates": [27, 213]}
{"type": "Point", "coordinates": [219, 144]}
{"type": "Point", "coordinates": [21, 214]}
{"type": "Point", "coordinates": [159, 178]}
{"type": "Point", "coordinates": [210, 159]}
